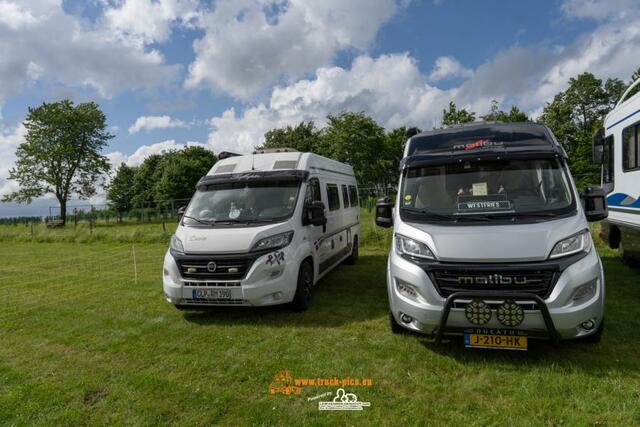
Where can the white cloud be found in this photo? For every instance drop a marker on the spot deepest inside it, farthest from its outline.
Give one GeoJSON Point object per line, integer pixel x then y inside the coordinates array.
{"type": "Point", "coordinates": [39, 41]}
{"type": "Point", "coordinates": [447, 67]}
{"type": "Point", "coordinates": [10, 139]}
{"type": "Point", "coordinates": [148, 123]}
{"type": "Point", "coordinates": [137, 157]}
{"type": "Point", "coordinates": [599, 9]}
{"type": "Point", "coordinates": [148, 21]}
{"type": "Point", "coordinates": [250, 44]}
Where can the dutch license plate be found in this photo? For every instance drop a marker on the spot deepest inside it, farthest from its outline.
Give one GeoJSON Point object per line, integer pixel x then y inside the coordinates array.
{"type": "Point", "coordinates": [211, 294]}
{"type": "Point", "coordinates": [502, 342]}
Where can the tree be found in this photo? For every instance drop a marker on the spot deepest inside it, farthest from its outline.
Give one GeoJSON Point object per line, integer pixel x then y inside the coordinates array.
{"type": "Point", "coordinates": [575, 115]}
{"type": "Point", "coordinates": [120, 191]}
{"type": "Point", "coordinates": [454, 116]}
{"type": "Point", "coordinates": [147, 174]}
{"type": "Point", "coordinates": [497, 115]}
{"type": "Point", "coordinates": [394, 143]}
{"type": "Point", "coordinates": [179, 171]}
{"type": "Point", "coordinates": [61, 153]}
{"type": "Point", "coordinates": [614, 88]}
{"type": "Point", "coordinates": [357, 139]}
{"type": "Point", "coordinates": [303, 137]}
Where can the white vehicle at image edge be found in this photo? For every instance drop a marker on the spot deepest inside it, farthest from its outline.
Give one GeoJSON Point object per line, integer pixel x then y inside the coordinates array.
{"type": "Point", "coordinates": [617, 148]}
{"type": "Point", "coordinates": [491, 240]}
{"type": "Point", "coordinates": [262, 229]}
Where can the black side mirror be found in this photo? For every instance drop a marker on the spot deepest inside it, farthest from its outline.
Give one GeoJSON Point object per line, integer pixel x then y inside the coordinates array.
{"type": "Point", "coordinates": [597, 147]}
{"type": "Point", "coordinates": [315, 214]}
{"type": "Point", "coordinates": [595, 204]}
{"type": "Point", "coordinates": [384, 213]}
{"type": "Point", "coordinates": [181, 210]}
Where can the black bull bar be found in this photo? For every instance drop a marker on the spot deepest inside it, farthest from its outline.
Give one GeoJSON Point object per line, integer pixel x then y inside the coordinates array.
{"type": "Point", "coordinates": [551, 330]}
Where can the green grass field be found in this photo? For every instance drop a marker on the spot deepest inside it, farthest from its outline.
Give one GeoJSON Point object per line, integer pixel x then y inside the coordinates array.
{"type": "Point", "coordinates": [83, 342]}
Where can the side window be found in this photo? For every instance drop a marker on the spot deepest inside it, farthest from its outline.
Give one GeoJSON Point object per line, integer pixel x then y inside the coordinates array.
{"type": "Point", "coordinates": [345, 196]}
{"type": "Point", "coordinates": [607, 160]}
{"type": "Point", "coordinates": [333, 197]}
{"type": "Point", "coordinates": [313, 191]}
{"type": "Point", "coordinates": [630, 148]}
{"type": "Point", "coordinates": [353, 195]}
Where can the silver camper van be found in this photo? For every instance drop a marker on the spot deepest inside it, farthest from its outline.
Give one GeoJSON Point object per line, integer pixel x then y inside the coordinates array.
{"type": "Point", "coordinates": [491, 239]}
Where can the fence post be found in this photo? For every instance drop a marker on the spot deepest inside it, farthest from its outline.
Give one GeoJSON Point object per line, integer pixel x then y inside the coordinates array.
{"type": "Point", "coordinates": [135, 264]}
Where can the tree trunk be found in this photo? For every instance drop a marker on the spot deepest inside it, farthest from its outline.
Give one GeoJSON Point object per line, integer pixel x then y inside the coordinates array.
{"type": "Point", "coordinates": [63, 210]}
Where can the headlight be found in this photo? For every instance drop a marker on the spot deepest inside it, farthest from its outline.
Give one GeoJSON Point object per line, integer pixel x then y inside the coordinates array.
{"type": "Point", "coordinates": [580, 242]}
{"type": "Point", "coordinates": [274, 242]}
{"type": "Point", "coordinates": [176, 244]}
{"type": "Point", "coordinates": [412, 248]}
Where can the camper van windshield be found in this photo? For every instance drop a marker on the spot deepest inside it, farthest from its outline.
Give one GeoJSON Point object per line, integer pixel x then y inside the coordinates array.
{"type": "Point", "coordinates": [487, 190]}
{"type": "Point", "coordinates": [242, 202]}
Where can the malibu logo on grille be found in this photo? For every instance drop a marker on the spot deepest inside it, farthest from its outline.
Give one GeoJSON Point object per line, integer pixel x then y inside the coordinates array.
{"type": "Point", "coordinates": [492, 279]}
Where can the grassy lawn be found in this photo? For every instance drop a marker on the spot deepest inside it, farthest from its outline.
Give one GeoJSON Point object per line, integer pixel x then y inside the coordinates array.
{"type": "Point", "coordinates": [83, 342]}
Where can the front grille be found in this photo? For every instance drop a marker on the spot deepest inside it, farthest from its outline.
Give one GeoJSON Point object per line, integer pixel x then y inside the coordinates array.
{"type": "Point", "coordinates": [211, 284]}
{"type": "Point", "coordinates": [214, 269]}
{"type": "Point", "coordinates": [538, 282]}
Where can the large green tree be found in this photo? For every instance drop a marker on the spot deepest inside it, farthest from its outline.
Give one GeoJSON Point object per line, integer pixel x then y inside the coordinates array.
{"type": "Point", "coordinates": [180, 170]}
{"type": "Point", "coordinates": [147, 174]}
{"type": "Point", "coordinates": [357, 139]}
{"type": "Point", "coordinates": [303, 137]}
{"type": "Point", "coordinates": [454, 116]}
{"type": "Point", "coordinates": [120, 191]}
{"type": "Point", "coordinates": [394, 143]}
{"type": "Point", "coordinates": [574, 116]}
{"type": "Point", "coordinates": [498, 115]}
{"type": "Point", "coordinates": [61, 154]}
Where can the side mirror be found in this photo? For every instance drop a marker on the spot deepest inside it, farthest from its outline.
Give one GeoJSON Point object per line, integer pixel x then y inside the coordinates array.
{"type": "Point", "coordinates": [597, 147]}
{"type": "Point", "coordinates": [595, 204]}
{"type": "Point", "coordinates": [181, 210]}
{"type": "Point", "coordinates": [315, 214]}
{"type": "Point", "coordinates": [384, 213]}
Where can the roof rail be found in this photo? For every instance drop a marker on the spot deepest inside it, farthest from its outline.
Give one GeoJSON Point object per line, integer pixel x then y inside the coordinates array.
{"type": "Point", "coordinates": [275, 150]}
{"type": "Point", "coordinates": [626, 92]}
{"type": "Point", "coordinates": [226, 154]}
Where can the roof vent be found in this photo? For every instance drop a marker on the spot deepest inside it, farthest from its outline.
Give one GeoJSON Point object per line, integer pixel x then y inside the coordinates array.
{"type": "Point", "coordinates": [226, 168]}
{"type": "Point", "coordinates": [285, 164]}
{"type": "Point", "coordinates": [275, 150]}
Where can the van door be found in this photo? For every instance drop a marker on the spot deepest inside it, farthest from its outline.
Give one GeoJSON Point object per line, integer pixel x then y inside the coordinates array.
{"type": "Point", "coordinates": [315, 233]}
{"type": "Point", "coordinates": [336, 240]}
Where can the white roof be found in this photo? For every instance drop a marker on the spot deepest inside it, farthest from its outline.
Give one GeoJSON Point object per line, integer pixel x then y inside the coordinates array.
{"type": "Point", "coordinates": [279, 161]}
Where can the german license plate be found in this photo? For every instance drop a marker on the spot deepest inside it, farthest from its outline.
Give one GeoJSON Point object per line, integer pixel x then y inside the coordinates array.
{"type": "Point", "coordinates": [211, 293]}
{"type": "Point", "coordinates": [502, 342]}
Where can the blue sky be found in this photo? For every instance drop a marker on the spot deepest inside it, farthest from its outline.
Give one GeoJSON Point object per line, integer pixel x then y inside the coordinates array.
{"type": "Point", "coordinates": [175, 72]}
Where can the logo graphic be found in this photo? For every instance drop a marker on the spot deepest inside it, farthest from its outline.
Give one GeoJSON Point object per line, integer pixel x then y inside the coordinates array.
{"type": "Point", "coordinates": [211, 267]}
{"type": "Point", "coordinates": [343, 401]}
{"type": "Point", "coordinates": [283, 383]}
{"type": "Point", "coordinates": [492, 279]}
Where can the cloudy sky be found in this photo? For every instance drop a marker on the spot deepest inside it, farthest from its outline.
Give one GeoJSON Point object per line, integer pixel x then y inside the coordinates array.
{"type": "Point", "coordinates": [220, 73]}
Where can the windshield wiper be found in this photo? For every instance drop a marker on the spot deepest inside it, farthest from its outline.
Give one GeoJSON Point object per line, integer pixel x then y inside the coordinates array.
{"type": "Point", "coordinates": [430, 215]}
{"type": "Point", "coordinates": [201, 221]}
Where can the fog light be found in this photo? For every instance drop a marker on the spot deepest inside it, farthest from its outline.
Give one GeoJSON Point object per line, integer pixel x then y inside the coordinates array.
{"type": "Point", "coordinates": [406, 318]}
{"type": "Point", "coordinates": [477, 312]}
{"type": "Point", "coordinates": [277, 295]}
{"type": "Point", "coordinates": [510, 313]}
{"type": "Point", "coordinates": [588, 325]}
{"type": "Point", "coordinates": [165, 271]}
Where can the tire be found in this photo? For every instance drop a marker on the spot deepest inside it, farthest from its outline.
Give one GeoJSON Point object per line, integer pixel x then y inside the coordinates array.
{"type": "Point", "coordinates": [597, 336]}
{"type": "Point", "coordinates": [395, 326]}
{"type": "Point", "coordinates": [181, 306]}
{"type": "Point", "coordinates": [626, 258]}
{"type": "Point", "coordinates": [353, 258]}
{"type": "Point", "coordinates": [304, 288]}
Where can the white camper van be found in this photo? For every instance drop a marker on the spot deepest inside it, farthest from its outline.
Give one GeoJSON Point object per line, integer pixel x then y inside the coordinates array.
{"type": "Point", "coordinates": [617, 148]}
{"type": "Point", "coordinates": [262, 229]}
{"type": "Point", "coordinates": [491, 240]}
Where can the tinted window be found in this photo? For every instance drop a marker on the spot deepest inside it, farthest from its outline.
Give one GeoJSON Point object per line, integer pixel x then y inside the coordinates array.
{"type": "Point", "coordinates": [630, 148]}
{"type": "Point", "coordinates": [313, 191]}
{"type": "Point", "coordinates": [345, 196]}
{"type": "Point", "coordinates": [353, 195]}
{"type": "Point", "coordinates": [333, 197]}
{"type": "Point", "coordinates": [607, 160]}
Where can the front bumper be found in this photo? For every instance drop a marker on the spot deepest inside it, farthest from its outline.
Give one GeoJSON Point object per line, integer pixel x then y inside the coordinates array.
{"type": "Point", "coordinates": [556, 316]}
{"type": "Point", "coordinates": [269, 281]}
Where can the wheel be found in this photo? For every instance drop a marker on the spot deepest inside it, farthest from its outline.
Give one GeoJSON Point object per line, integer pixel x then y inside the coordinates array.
{"type": "Point", "coordinates": [627, 259]}
{"type": "Point", "coordinates": [302, 298]}
{"type": "Point", "coordinates": [353, 258]}
{"type": "Point", "coordinates": [395, 326]}
{"type": "Point", "coordinates": [595, 338]}
{"type": "Point", "coordinates": [181, 306]}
